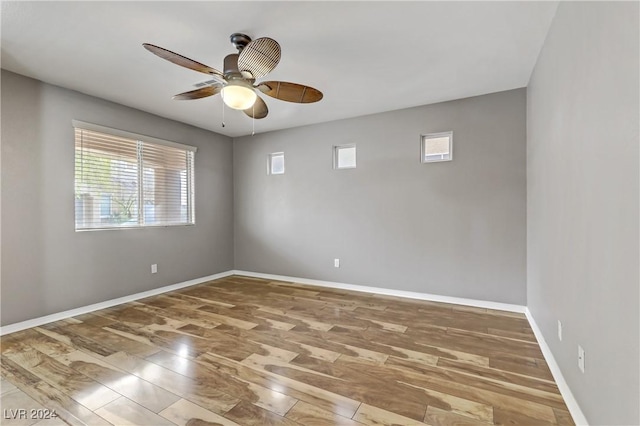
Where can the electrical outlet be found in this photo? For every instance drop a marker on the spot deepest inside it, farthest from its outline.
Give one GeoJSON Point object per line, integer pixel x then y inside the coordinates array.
{"type": "Point", "coordinates": [336, 263]}
{"type": "Point", "coordinates": [581, 358]}
{"type": "Point", "coordinates": [559, 330]}
{"type": "Point", "coordinates": [154, 268]}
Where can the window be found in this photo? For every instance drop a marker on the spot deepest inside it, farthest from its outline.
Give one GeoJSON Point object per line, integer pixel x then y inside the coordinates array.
{"type": "Point", "coordinates": [344, 157]}
{"type": "Point", "coordinates": [436, 147]}
{"type": "Point", "coordinates": [275, 163]}
{"type": "Point", "coordinates": [123, 180]}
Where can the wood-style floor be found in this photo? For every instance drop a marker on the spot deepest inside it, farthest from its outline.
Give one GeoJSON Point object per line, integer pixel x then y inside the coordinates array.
{"type": "Point", "coordinates": [248, 351]}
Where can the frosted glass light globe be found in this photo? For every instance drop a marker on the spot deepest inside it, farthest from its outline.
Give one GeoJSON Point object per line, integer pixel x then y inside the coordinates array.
{"type": "Point", "coordinates": [238, 96]}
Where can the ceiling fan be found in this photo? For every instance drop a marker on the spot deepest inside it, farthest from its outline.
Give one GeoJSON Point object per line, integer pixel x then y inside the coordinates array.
{"type": "Point", "coordinates": [237, 84]}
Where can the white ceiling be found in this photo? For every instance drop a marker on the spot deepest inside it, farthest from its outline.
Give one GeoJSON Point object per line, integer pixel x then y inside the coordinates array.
{"type": "Point", "coordinates": [366, 57]}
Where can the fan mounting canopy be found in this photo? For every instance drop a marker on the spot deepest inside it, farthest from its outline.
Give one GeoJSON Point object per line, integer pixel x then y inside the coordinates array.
{"type": "Point", "coordinates": [240, 40]}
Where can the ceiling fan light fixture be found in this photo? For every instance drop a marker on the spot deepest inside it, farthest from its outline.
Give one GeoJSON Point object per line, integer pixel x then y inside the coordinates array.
{"type": "Point", "coordinates": [256, 58]}
{"type": "Point", "coordinates": [238, 95]}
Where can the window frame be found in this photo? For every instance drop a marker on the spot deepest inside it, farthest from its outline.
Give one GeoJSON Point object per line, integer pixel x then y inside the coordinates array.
{"type": "Point", "coordinates": [140, 140]}
{"type": "Point", "coordinates": [270, 163]}
{"type": "Point", "coordinates": [423, 141]}
{"type": "Point", "coordinates": [336, 154]}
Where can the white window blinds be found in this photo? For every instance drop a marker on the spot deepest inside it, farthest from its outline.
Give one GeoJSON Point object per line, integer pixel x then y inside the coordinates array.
{"type": "Point", "coordinates": [437, 147]}
{"type": "Point", "coordinates": [125, 182]}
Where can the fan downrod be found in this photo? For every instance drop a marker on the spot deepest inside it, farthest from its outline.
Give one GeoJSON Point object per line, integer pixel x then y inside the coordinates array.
{"type": "Point", "coordinates": [240, 40]}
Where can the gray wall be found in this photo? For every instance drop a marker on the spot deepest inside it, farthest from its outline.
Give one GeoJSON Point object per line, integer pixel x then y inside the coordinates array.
{"type": "Point", "coordinates": [453, 228]}
{"type": "Point", "coordinates": [582, 199]}
{"type": "Point", "coordinates": [47, 267]}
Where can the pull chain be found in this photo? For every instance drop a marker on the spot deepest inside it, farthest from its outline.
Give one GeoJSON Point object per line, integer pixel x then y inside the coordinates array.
{"type": "Point", "coordinates": [253, 120]}
{"type": "Point", "coordinates": [222, 94]}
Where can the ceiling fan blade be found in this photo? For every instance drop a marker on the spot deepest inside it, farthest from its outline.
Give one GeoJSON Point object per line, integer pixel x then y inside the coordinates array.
{"type": "Point", "coordinates": [198, 93]}
{"type": "Point", "coordinates": [181, 60]}
{"type": "Point", "coordinates": [259, 57]}
{"type": "Point", "coordinates": [258, 110]}
{"type": "Point", "coordinates": [290, 92]}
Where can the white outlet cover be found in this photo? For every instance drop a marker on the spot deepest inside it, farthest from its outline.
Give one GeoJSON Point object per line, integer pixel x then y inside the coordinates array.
{"type": "Point", "coordinates": [559, 330]}
{"type": "Point", "coordinates": [336, 263]}
{"type": "Point", "coordinates": [581, 360]}
{"type": "Point", "coordinates": [154, 268]}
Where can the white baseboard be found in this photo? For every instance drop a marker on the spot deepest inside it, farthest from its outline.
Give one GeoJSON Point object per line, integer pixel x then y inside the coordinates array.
{"type": "Point", "coordinates": [390, 292]}
{"type": "Point", "coordinates": [569, 399]}
{"type": "Point", "coordinates": [12, 328]}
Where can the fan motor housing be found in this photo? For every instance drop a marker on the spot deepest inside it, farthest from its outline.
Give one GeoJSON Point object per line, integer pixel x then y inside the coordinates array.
{"type": "Point", "coordinates": [231, 64]}
{"type": "Point", "coordinates": [231, 71]}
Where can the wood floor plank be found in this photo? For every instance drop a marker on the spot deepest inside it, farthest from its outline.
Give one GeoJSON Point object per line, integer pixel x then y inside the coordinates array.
{"type": "Point", "coordinates": [563, 417]}
{"type": "Point", "coordinates": [311, 415]}
{"type": "Point", "coordinates": [423, 346]}
{"type": "Point", "coordinates": [552, 399]}
{"type": "Point", "coordinates": [374, 416]}
{"type": "Point", "coordinates": [247, 351]}
{"type": "Point", "coordinates": [65, 407]}
{"type": "Point", "coordinates": [438, 417]}
{"type": "Point", "coordinates": [86, 391]}
{"type": "Point", "coordinates": [314, 395]}
{"type": "Point", "coordinates": [31, 339]}
{"type": "Point", "coordinates": [197, 391]}
{"type": "Point", "coordinates": [181, 313]}
{"type": "Point", "coordinates": [130, 315]}
{"type": "Point", "coordinates": [119, 342]}
{"type": "Point", "coordinates": [354, 383]}
{"type": "Point", "coordinates": [518, 335]}
{"type": "Point", "coordinates": [474, 342]}
{"type": "Point", "coordinates": [520, 365]}
{"type": "Point", "coordinates": [16, 375]}
{"type": "Point", "coordinates": [136, 389]}
{"type": "Point", "coordinates": [444, 384]}
{"type": "Point", "coordinates": [173, 341]}
{"type": "Point", "coordinates": [186, 413]}
{"type": "Point", "coordinates": [512, 417]}
{"type": "Point", "coordinates": [212, 312]}
{"type": "Point", "coordinates": [266, 398]}
{"type": "Point", "coordinates": [501, 375]}
{"type": "Point", "coordinates": [293, 343]}
{"type": "Point", "coordinates": [460, 406]}
{"type": "Point", "coordinates": [123, 412]}
{"type": "Point", "coordinates": [58, 332]}
{"type": "Point", "coordinates": [180, 299]}
{"type": "Point", "coordinates": [248, 414]}
{"type": "Point", "coordinates": [320, 353]}
{"type": "Point", "coordinates": [224, 344]}
{"type": "Point", "coordinates": [94, 320]}
{"type": "Point", "coordinates": [244, 316]}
